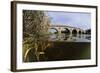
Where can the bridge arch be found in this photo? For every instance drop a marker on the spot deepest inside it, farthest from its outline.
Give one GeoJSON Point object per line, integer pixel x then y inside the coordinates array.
{"type": "Point", "coordinates": [80, 32]}
{"type": "Point", "coordinates": [53, 30]}
{"type": "Point", "coordinates": [74, 31]}
{"type": "Point", "coordinates": [67, 31]}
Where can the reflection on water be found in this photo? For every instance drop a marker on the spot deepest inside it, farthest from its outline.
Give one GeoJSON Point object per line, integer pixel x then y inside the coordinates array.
{"type": "Point", "coordinates": [70, 38]}
{"type": "Point", "coordinates": [65, 47]}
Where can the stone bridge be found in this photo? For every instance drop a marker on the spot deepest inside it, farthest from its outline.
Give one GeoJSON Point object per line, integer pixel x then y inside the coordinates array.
{"type": "Point", "coordinates": [67, 29]}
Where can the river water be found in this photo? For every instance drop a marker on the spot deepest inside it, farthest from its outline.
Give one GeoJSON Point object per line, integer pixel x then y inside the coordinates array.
{"type": "Point", "coordinates": [71, 38]}
{"type": "Point", "coordinates": [66, 47]}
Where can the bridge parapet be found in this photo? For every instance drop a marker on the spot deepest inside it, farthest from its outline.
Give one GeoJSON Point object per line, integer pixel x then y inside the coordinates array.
{"type": "Point", "coordinates": [72, 30]}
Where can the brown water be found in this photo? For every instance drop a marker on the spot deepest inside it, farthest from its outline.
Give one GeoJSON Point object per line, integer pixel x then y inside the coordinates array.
{"type": "Point", "coordinates": [63, 51]}
{"type": "Point", "coordinates": [65, 48]}
{"type": "Point", "coordinates": [68, 51]}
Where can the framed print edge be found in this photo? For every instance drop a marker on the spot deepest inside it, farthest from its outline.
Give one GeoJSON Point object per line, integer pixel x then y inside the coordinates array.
{"type": "Point", "coordinates": [14, 35]}
{"type": "Point", "coordinates": [96, 35]}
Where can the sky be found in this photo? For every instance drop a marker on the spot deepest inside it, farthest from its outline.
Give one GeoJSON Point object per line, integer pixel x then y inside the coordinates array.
{"type": "Point", "coordinates": [74, 19]}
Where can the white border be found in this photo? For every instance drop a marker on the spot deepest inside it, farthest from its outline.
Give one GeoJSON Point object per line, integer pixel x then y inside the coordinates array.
{"type": "Point", "coordinates": [21, 65]}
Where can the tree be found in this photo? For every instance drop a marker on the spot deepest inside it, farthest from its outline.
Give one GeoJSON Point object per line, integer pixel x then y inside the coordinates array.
{"type": "Point", "coordinates": [35, 31]}
{"type": "Point", "coordinates": [35, 22]}
{"type": "Point", "coordinates": [88, 31]}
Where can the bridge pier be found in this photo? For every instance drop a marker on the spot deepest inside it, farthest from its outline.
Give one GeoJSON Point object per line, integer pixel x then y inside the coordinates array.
{"type": "Point", "coordinates": [67, 29]}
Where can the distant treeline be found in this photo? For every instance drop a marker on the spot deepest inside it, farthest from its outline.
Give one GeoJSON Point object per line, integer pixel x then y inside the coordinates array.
{"type": "Point", "coordinates": [88, 31]}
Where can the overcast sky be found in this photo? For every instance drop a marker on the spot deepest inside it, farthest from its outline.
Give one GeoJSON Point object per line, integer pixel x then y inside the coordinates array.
{"type": "Point", "coordinates": [74, 19]}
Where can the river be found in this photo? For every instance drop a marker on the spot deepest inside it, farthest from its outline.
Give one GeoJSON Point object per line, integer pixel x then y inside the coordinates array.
{"type": "Point", "coordinates": [66, 47]}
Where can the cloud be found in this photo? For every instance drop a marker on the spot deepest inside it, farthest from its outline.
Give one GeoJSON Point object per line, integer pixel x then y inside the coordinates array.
{"type": "Point", "coordinates": [74, 19]}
